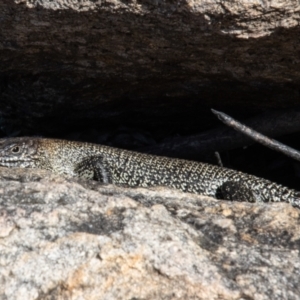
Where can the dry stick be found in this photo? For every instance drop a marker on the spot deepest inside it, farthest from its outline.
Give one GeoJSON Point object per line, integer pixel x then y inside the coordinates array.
{"type": "Point", "coordinates": [258, 137]}
{"type": "Point", "coordinates": [217, 154]}
{"type": "Point", "coordinates": [272, 124]}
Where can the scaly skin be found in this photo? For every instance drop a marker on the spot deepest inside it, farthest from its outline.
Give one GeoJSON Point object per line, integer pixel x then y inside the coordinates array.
{"type": "Point", "coordinates": [128, 168]}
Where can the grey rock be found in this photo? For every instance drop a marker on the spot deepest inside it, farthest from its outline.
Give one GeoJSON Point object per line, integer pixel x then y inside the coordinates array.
{"type": "Point", "coordinates": [62, 238]}
{"type": "Point", "coordinates": [95, 61]}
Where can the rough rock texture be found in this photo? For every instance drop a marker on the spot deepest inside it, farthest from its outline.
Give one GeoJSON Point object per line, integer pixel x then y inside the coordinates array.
{"type": "Point", "coordinates": [147, 63]}
{"type": "Point", "coordinates": [62, 239]}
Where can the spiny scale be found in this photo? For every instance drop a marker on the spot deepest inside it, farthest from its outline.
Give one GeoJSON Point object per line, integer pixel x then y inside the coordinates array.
{"type": "Point", "coordinates": [128, 168]}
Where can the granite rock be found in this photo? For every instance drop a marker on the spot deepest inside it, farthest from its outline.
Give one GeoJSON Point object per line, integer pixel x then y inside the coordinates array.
{"type": "Point", "coordinates": [62, 238]}
{"type": "Point", "coordinates": [152, 64]}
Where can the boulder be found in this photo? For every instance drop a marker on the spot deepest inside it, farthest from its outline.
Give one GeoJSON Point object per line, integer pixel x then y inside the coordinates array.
{"type": "Point", "coordinates": [63, 238]}
{"type": "Point", "coordinates": [158, 65]}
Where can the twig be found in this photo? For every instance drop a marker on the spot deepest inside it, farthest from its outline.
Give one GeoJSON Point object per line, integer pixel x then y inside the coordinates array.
{"type": "Point", "coordinates": [198, 146]}
{"type": "Point", "coordinates": [217, 154]}
{"type": "Point", "coordinates": [258, 137]}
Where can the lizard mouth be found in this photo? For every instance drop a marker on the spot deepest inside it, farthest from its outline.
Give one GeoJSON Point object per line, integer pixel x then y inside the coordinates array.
{"type": "Point", "coordinates": [10, 163]}
{"type": "Point", "coordinates": [13, 162]}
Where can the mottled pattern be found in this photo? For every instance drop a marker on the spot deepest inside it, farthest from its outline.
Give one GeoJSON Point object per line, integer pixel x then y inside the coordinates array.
{"type": "Point", "coordinates": [127, 168]}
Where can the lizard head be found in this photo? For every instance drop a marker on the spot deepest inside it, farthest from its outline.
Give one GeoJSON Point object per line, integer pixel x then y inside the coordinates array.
{"type": "Point", "coordinates": [19, 152]}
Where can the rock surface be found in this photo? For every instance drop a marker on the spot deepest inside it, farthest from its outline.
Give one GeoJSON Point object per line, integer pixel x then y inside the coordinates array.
{"type": "Point", "coordinates": [154, 64]}
{"type": "Point", "coordinates": [67, 239]}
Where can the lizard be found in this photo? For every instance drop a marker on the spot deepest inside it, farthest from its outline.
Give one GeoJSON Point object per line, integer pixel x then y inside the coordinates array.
{"type": "Point", "coordinates": [133, 169]}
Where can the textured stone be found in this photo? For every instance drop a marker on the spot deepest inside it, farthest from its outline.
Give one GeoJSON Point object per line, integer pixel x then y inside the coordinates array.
{"type": "Point", "coordinates": [145, 62]}
{"type": "Point", "coordinates": [67, 239]}
{"type": "Point", "coordinates": [251, 18]}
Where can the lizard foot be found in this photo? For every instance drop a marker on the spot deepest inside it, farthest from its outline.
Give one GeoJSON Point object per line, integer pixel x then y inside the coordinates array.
{"type": "Point", "coordinates": [236, 191]}
{"type": "Point", "coordinates": [295, 200]}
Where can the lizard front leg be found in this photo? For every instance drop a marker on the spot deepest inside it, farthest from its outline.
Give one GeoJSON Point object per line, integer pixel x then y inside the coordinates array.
{"type": "Point", "coordinates": [93, 167]}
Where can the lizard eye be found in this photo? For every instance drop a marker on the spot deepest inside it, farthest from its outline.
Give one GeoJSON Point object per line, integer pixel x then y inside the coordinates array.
{"type": "Point", "coordinates": [15, 149]}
